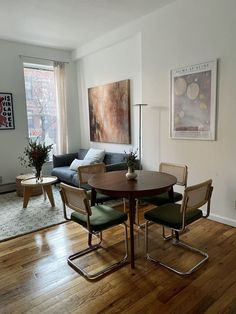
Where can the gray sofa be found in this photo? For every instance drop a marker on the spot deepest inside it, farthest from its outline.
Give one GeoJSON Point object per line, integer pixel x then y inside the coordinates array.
{"type": "Point", "coordinates": [61, 164]}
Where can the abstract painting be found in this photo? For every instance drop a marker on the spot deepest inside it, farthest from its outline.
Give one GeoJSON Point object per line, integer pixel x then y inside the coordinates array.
{"type": "Point", "coordinates": [109, 113]}
{"type": "Point", "coordinates": [193, 101]}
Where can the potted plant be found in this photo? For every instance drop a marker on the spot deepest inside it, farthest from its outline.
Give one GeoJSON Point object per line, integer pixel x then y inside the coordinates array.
{"type": "Point", "coordinates": [131, 161]}
{"type": "Point", "coordinates": [35, 155]}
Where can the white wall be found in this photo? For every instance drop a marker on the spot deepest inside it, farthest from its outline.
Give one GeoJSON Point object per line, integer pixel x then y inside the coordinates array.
{"type": "Point", "coordinates": [12, 142]}
{"type": "Point", "coordinates": [119, 62]}
{"type": "Point", "coordinates": [188, 32]}
{"type": "Point", "coordinates": [183, 33]}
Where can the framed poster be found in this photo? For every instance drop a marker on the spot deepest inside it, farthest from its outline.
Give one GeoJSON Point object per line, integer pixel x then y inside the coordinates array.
{"type": "Point", "coordinates": [109, 113]}
{"type": "Point", "coordinates": [193, 101]}
{"type": "Point", "coordinates": [6, 112]}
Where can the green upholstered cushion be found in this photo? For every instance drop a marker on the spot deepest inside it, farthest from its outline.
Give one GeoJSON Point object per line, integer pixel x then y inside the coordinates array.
{"type": "Point", "coordinates": [170, 216]}
{"type": "Point", "coordinates": [102, 217]}
{"type": "Point", "coordinates": [85, 186]}
{"type": "Point", "coordinates": [162, 199]}
{"type": "Point", "coordinates": [101, 198]}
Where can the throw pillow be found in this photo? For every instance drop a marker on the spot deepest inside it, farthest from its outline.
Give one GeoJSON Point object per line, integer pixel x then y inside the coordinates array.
{"type": "Point", "coordinates": [77, 162]}
{"type": "Point", "coordinates": [95, 155]}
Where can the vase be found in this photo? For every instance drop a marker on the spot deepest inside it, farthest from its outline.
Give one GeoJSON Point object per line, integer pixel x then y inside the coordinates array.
{"type": "Point", "coordinates": [131, 174]}
{"type": "Point", "coordinates": [38, 174]}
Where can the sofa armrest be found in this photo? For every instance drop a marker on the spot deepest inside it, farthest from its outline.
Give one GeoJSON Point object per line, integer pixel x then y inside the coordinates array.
{"type": "Point", "coordinates": [116, 166]}
{"type": "Point", "coordinates": [64, 159]}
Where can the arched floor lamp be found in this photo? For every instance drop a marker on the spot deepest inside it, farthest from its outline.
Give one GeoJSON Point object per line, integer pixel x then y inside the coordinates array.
{"type": "Point", "coordinates": [140, 133]}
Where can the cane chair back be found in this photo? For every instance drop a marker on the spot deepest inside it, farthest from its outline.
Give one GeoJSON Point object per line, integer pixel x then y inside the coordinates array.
{"type": "Point", "coordinates": [75, 198]}
{"type": "Point", "coordinates": [177, 170]}
{"type": "Point", "coordinates": [95, 219]}
{"type": "Point", "coordinates": [85, 172]}
{"type": "Point", "coordinates": [196, 196]}
{"type": "Point", "coordinates": [181, 173]}
{"type": "Point", "coordinates": [177, 217]}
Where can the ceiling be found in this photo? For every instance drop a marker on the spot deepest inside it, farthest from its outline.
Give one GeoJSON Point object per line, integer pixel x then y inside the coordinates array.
{"type": "Point", "coordinates": [68, 24]}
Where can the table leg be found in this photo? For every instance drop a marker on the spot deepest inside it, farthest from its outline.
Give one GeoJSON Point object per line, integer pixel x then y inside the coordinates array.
{"type": "Point", "coordinates": [93, 197]}
{"type": "Point", "coordinates": [27, 194]}
{"type": "Point", "coordinates": [131, 221]}
{"type": "Point", "coordinates": [171, 197]}
{"type": "Point", "coordinates": [44, 194]}
{"type": "Point", "coordinates": [171, 194]}
{"type": "Point", "coordinates": [48, 190]}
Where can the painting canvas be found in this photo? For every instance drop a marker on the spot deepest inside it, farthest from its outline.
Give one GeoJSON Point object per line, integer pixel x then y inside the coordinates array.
{"type": "Point", "coordinates": [6, 112]}
{"type": "Point", "coordinates": [193, 101]}
{"type": "Point", "coordinates": [109, 113]}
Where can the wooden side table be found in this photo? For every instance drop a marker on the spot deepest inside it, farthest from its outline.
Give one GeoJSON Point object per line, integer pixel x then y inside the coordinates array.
{"type": "Point", "coordinates": [36, 190]}
{"type": "Point", "coordinates": [46, 185]}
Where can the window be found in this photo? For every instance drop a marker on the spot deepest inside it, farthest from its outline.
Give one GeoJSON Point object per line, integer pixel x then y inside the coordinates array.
{"type": "Point", "coordinates": [41, 104]}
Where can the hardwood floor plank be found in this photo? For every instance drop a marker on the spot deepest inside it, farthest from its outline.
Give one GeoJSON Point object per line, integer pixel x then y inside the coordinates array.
{"type": "Point", "coordinates": [226, 304]}
{"type": "Point", "coordinates": [35, 276]}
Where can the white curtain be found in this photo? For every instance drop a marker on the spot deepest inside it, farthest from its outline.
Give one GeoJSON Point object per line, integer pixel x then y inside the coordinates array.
{"type": "Point", "coordinates": [62, 142]}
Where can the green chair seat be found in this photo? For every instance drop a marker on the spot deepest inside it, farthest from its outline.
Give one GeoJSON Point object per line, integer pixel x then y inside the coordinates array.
{"type": "Point", "coordinates": [95, 219]}
{"type": "Point", "coordinates": [170, 216]}
{"type": "Point", "coordinates": [102, 198]}
{"type": "Point", "coordinates": [162, 199]}
{"type": "Point", "coordinates": [85, 186]}
{"type": "Point", "coordinates": [102, 217]}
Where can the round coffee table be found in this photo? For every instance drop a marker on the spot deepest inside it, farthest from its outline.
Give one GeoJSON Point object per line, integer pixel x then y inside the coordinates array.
{"type": "Point", "coordinates": [45, 184]}
{"type": "Point", "coordinates": [37, 190]}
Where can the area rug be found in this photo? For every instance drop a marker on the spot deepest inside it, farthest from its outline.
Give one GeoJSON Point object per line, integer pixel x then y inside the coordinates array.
{"type": "Point", "coordinates": [16, 220]}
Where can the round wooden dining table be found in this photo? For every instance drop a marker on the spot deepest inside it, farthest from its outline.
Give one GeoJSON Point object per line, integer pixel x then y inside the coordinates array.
{"type": "Point", "coordinates": [147, 183]}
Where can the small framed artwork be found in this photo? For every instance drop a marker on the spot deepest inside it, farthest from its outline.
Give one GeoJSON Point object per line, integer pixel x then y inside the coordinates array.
{"type": "Point", "coordinates": [109, 113]}
{"type": "Point", "coordinates": [193, 101]}
{"type": "Point", "coordinates": [6, 112]}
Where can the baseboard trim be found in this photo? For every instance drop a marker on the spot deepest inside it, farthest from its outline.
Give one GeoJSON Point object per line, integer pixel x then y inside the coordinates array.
{"type": "Point", "coordinates": [224, 220]}
{"type": "Point", "coordinates": [7, 187]}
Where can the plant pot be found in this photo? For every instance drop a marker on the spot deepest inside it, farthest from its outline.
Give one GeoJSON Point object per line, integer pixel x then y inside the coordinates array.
{"type": "Point", "coordinates": [131, 174]}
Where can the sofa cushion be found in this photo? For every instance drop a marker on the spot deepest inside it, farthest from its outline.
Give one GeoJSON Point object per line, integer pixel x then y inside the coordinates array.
{"type": "Point", "coordinates": [114, 158]}
{"type": "Point", "coordinates": [95, 155]}
{"type": "Point", "coordinates": [64, 174]}
{"type": "Point", "coordinates": [63, 160]}
{"type": "Point", "coordinates": [81, 153]}
{"type": "Point", "coordinates": [77, 162]}
{"type": "Point", "coordinates": [116, 166]}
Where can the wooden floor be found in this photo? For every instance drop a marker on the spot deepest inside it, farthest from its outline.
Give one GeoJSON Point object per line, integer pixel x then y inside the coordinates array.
{"type": "Point", "coordinates": [35, 276]}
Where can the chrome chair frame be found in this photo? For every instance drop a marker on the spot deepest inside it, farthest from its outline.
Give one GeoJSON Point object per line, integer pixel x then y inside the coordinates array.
{"type": "Point", "coordinates": [180, 171]}
{"type": "Point", "coordinates": [91, 247]}
{"type": "Point", "coordinates": [175, 232]}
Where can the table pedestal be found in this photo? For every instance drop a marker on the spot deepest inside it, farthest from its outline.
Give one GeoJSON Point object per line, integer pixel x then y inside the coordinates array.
{"type": "Point", "coordinates": [115, 184]}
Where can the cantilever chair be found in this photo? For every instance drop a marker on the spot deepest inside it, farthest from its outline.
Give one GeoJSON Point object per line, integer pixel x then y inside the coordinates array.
{"type": "Point", "coordinates": [85, 172]}
{"type": "Point", "coordinates": [181, 173]}
{"type": "Point", "coordinates": [178, 216]}
{"type": "Point", "coordinates": [94, 219]}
